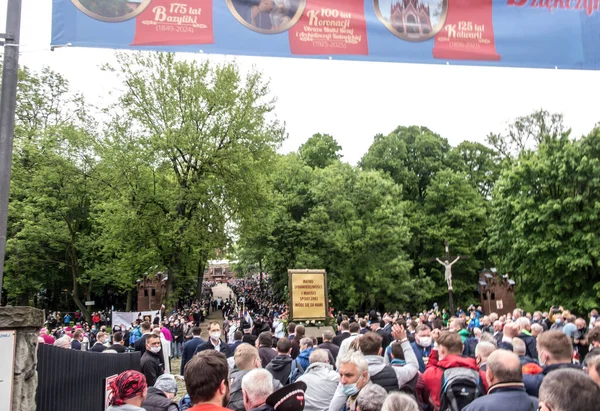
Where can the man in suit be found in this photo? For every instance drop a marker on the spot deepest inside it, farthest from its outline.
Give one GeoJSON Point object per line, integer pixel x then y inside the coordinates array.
{"type": "Point", "coordinates": [140, 344]}
{"type": "Point", "coordinates": [387, 338]}
{"type": "Point", "coordinates": [190, 347]}
{"type": "Point", "coordinates": [344, 333]}
{"type": "Point", "coordinates": [237, 341]}
{"type": "Point", "coordinates": [328, 345]}
{"type": "Point", "coordinates": [214, 340]}
{"type": "Point", "coordinates": [363, 326]}
{"type": "Point", "coordinates": [99, 345]}
{"type": "Point", "coordinates": [118, 343]}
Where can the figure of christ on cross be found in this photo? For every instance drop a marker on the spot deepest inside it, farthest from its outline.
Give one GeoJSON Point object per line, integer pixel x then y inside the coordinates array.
{"type": "Point", "coordinates": [448, 271]}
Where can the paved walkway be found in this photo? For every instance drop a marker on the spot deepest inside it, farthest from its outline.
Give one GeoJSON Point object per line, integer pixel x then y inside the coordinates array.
{"type": "Point", "coordinates": [220, 290]}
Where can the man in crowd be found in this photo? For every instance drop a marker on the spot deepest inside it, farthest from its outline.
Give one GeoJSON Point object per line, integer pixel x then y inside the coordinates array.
{"type": "Point", "coordinates": [344, 329]}
{"type": "Point", "coordinates": [282, 365]}
{"type": "Point", "coordinates": [569, 390]}
{"type": "Point", "coordinates": [300, 332]}
{"type": "Point", "coordinates": [525, 334]}
{"type": "Point", "coordinates": [593, 368]}
{"type": "Point", "coordinates": [256, 387]}
{"type": "Point", "coordinates": [206, 381]}
{"type": "Point", "coordinates": [246, 359]}
{"type": "Point", "coordinates": [214, 341]}
{"type": "Point", "coordinates": [265, 348]}
{"type": "Point", "coordinates": [77, 339]}
{"type": "Point", "coordinates": [140, 344]}
{"type": "Point", "coordinates": [507, 391]}
{"type": "Point", "coordinates": [450, 348]}
{"type": "Point", "coordinates": [554, 352]}
{"type": "Point", "coordinates": [354, 376]}
{"type": "Point", "coordinates": [160, 396]}
{"type": "Point", "coordinates": [152, 365]}
{"type": "Point", "coordinates": [118, 345]}
{"type": "Point", "coordinates": [371, 398]}
{"type": "Point", "coordinates": [329, 345]}
{"type": "Point", "coordinates": [482, 352]}
{"type": "Point", "coordinates": [99, 346]}
{"type": "Point", "coordinates": [321, 381]}
{"type": "Point", "coordinates": [189, 348]}
{"type": "Point", "coordinates": [351, 335]}
{"type": "Point", "coordinates": [237, 341]}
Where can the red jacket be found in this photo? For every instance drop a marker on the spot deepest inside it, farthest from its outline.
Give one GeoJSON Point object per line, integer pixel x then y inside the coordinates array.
{"type": "Point", "coordinates": [434, 372]}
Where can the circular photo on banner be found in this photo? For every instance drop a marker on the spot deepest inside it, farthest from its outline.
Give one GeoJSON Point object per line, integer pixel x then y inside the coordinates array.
{"type": "Point", "coordinates": [412, 20]}
{"type": "Point", "coordinates": [267, 16]}
{"type": "Point", "coordinates": [112, 11]}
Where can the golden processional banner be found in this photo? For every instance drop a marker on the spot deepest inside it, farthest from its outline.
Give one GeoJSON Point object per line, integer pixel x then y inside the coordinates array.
{"type": "Point", "coordinates": [308, 294]}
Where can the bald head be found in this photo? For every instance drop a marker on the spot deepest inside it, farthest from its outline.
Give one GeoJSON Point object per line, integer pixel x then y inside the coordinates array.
{"type": "Point", "coordinates": [483, 351]}
{"type": "Point", "coordinates": [503, 366]}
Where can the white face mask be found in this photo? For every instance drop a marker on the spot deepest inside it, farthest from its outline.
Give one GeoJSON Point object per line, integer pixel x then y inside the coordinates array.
{"type": "Point", "coordinates": [155, 350]}
{"type": "Point", "coordinates": [425, 341]}
{"type": "Point", "coordinates": [215, 335]}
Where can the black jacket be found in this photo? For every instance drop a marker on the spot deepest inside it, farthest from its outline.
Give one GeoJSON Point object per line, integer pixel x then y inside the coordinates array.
{"type": "Point", "coordinates": [337, 340]}
{"type": "Point", "coordinates": [189, 348]}
{"type": "Point", "coordinates": [387, 338]}
{"type": "Point", "coordinates": [152, 367]}
{"type": "Point", "coordinates": [281, 367]}
{"type": "Point", "coordinates": [75, 345]}
{"type": "Point", "coordinates": [530, 345]}
{"type": "Point", "coordinates": [333, 349]}
{"type": "Point", "coordinates": [266, 354]}
{"type": "Point", "coordinates": [118, 348]}
{"type": "Point", "coordinates": [98, 347]}
{"type": "Point", "coordinates": [156, 400]}
{"type": "Point", "coordinates": [249, 338]}
{"type": "Point", "coordinates": [386, 378]}
{"type": "Point", "coordinates": [224, 348]}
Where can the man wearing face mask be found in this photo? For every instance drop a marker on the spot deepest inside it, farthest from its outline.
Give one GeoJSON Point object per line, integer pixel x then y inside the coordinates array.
{"type": "Point", "coordinates": [354, 376]}
{"type": "Point", "coordinates": [555, 351]}
{"type": "Point", "coordinates": [206, 381]}
{"type": "Point", "coordinates": [422, 345]}
{"type": "Point", "coordinates": [152, 364]}
{"type": "Point", "coordinates": [214, 342]}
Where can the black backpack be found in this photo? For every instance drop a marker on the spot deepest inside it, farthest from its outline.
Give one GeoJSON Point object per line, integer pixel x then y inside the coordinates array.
{"type": "Point", "coordinates": [460, 387]}
{"type": "Point", "coordinates": [295, 373]}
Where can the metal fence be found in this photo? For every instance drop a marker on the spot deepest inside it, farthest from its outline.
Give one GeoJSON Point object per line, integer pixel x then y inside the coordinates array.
{"type": "Point", "coordinates": [70, 380]}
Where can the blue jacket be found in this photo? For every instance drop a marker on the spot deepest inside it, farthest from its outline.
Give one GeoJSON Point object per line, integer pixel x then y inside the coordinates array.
{"type": "Point", "coordinates": [533, 381]}
{"type": "Point", "coordinates": [421, 352]}
{"type": "Point", "coordinates": [188, 351]}
{"type": "Point", "coordinates": [502, 397]}
{"type": "Point", "coordinates": [303, 358]}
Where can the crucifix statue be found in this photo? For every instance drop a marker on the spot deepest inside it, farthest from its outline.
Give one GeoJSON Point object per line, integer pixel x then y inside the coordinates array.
{"type": "Point", "coordinates": [448, 271]}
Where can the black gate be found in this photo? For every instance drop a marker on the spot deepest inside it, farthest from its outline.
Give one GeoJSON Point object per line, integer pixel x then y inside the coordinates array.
{"type": "Point", "coordinates": [70, 380]}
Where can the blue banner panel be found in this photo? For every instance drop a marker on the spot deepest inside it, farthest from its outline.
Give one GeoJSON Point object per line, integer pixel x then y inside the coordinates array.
{"type": "Point", "coordinates": [511, 33]}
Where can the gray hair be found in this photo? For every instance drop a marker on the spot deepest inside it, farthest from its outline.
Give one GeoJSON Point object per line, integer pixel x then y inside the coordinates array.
{"type": "Point", "coordinates": [63, 342]}
{"type": "Point", "coordinates": [356, 358]}
{"type": "Point", "coordinates": [166, 383]}
{"type": "Point", "coordinates": [319, 355]}
{"type": "Point", "coordinates": [258, 385]}
{"type": "Point", "coordinates": [537, 327]}
{"type": "Point", "coordinates": [484, 349]}
{"type": "Point", "coordinates": [306, 342]}
{"type": "Point", "coordinates": [327, 335]}
{"type": "Point", "coordinates": [569, 390]}
{"type": "Point", "coordinates": [524, 323]}
{"type": "Point", "coordinates": [398, 401]}
{"type": "Point", "coordinates": [487, 337]}
{"type": "Point", "coordinates": [519, 347]}
{"type": "Point", "coordinates": [371, 398]}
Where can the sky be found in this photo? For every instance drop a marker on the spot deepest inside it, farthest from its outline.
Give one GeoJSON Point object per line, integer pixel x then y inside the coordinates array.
{"type": "Point", "coordinates": [354, 101]}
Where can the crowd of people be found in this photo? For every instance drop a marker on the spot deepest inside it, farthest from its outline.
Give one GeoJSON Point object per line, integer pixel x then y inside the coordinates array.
{"type": "Point", "coordinates": [253, 359]}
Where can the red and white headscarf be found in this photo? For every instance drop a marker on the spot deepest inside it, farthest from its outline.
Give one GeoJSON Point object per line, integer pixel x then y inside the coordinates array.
{"type": "Point", "coordinates": [127, 385]}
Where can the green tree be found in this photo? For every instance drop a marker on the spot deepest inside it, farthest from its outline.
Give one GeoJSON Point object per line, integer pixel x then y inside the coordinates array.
{"type": "Point", "coordinates": [320, 151]}
{"type": "Point", "coordinates": [206, 141]}
{"type": "Point", "coordinates": [545, 221]}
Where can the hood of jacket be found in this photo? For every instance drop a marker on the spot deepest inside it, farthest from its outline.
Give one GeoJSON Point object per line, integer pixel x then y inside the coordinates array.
{"type": "Point", "coordinates": [464, 334]}
{"type": "Point", "coordinates": [280, 362]}
{"type": "Point", "coordinates": [453, 361]}
{"type": "Point", "coordinates": [322, 371]}
{"type": "Point", "coordinates": [376, 363]}
{"type": "Point", "coordinates": [306, 354]}
{"type": "Point", "coordinates": [236, 379]}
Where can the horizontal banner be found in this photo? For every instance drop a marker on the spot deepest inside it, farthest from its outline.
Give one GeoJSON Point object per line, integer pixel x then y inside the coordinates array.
{"type": "Point", "coordinates": [513, 33]}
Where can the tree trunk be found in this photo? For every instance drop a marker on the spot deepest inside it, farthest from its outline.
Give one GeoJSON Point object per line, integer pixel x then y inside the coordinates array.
{"type": "Point", "coordinates": [200, 276]}
{"type": "Point", "coordinates": [129, 300]}
{"type": "Point", "coordinates": [75, 291]}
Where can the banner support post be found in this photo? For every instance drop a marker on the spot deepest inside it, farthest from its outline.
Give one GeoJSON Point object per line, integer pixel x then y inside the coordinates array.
{"type": "Point", "coordinates": [8, 103]}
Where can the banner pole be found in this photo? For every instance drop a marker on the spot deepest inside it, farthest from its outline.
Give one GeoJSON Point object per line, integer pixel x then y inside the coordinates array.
{"type": "Point", "coordinates": [8, 102]}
